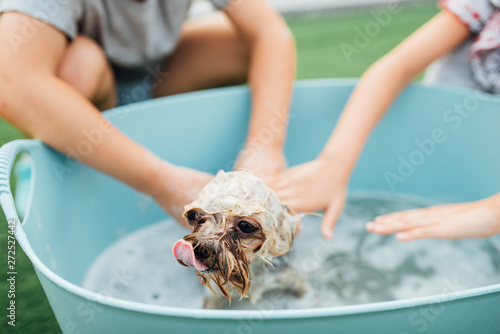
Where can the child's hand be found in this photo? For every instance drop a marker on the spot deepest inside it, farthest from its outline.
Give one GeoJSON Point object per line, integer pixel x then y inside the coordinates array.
{"type": "Point", "coordinates": [452, 221]}
{"type": "Point", "coordinates": [312, 186]}
{"type": "Point", "coordinates": [179, 186]}
{"type": "Point", "coordinates": [265, 162]}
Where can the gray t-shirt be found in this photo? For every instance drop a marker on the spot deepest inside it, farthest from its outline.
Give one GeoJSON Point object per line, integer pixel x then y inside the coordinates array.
{"type": "Point", "coordinates": [132, 33]}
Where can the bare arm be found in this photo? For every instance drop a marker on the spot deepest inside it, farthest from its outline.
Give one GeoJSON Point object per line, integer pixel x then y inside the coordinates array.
{"type": "Point", "coordinates": [383, 82]}
{"type": "Point", "coordinates": [271, 75]}
{"type": "Point", "coordinates": [320, 184]}
{"type": "Point", "coordinates": [36, 101]}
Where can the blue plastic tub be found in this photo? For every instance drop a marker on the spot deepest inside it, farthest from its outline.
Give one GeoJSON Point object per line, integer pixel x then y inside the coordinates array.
{"type": "Point", "coordinates": [74, 212]}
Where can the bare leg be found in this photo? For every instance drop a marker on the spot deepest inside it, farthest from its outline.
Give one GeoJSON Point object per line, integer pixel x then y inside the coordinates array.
{"type": "Point", "coordinates": [210, 54]}
{"type": "Point", "coordinates": [85, 67]}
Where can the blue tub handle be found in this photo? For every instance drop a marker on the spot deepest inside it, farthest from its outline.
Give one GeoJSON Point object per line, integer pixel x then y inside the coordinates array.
{"type": "Point", "coordinates": [8, 153]}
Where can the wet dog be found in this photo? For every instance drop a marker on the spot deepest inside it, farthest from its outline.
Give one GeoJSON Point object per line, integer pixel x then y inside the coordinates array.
{"type": "Point", "coordinates": [239, 230]}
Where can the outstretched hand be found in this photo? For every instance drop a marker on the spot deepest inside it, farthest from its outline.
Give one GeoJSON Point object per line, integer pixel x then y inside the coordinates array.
{"type": "Point", "coordinates": [452, 221]}
{"type": "Point", "coordinates": [313, 186]}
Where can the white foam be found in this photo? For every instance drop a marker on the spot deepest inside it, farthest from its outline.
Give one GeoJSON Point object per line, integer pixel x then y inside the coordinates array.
{"type": "Point", "coordinates": [354, 268]}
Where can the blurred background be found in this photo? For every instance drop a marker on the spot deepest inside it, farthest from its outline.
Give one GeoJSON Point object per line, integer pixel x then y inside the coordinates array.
{"type": "Point", "coordinates": [335, 38]}
{"type": "Point", "coordinates": [300, 7]}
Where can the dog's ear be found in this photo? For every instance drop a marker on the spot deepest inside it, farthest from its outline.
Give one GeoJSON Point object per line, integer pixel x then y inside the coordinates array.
{"type": "Point", "coordinates": [285, 228]}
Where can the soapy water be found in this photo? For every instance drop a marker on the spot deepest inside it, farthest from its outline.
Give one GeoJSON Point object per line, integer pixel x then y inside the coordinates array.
{"type": "Point", "coordinates": [355, 267]}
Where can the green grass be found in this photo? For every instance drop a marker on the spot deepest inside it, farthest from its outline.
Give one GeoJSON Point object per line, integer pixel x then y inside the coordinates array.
{"type": "Point", "coordinates": [319, 56]}
{"type": "Point", "coordinates": [318, 40]}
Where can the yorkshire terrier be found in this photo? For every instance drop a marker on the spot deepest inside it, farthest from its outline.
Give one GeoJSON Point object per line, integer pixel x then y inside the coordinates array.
{"type": "Point", "coordinates": [240, 230]}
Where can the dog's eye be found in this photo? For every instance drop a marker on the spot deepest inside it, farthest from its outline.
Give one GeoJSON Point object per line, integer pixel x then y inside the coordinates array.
{"type": "Point", "coordinates": [246, 227]}
{"type": "Point", "coordinates": [191, 215]}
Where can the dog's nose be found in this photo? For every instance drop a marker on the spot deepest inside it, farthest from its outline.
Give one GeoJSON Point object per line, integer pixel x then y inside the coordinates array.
{"type": "Point", "coordinates": [202, 252]}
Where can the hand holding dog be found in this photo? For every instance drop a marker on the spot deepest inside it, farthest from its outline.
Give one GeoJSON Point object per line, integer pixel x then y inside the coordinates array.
{"type": "Point", "coordinates": [312, 186]}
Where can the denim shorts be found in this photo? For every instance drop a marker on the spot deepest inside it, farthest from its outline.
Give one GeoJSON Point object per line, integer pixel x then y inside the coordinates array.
{"type": "Point", "coordinates": [136, 84]}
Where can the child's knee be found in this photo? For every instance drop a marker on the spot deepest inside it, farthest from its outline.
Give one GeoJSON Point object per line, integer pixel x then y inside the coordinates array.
{"type": "Point", "coordinates": [84, 65]}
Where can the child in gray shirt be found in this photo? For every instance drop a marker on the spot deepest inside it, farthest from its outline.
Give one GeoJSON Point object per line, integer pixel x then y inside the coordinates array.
{"type": "Point", "coordinates": [62, 60]}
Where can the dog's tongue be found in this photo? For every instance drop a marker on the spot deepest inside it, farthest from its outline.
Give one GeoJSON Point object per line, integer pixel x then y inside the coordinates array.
{"type": "Point", "coordinates": [183, 251]}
